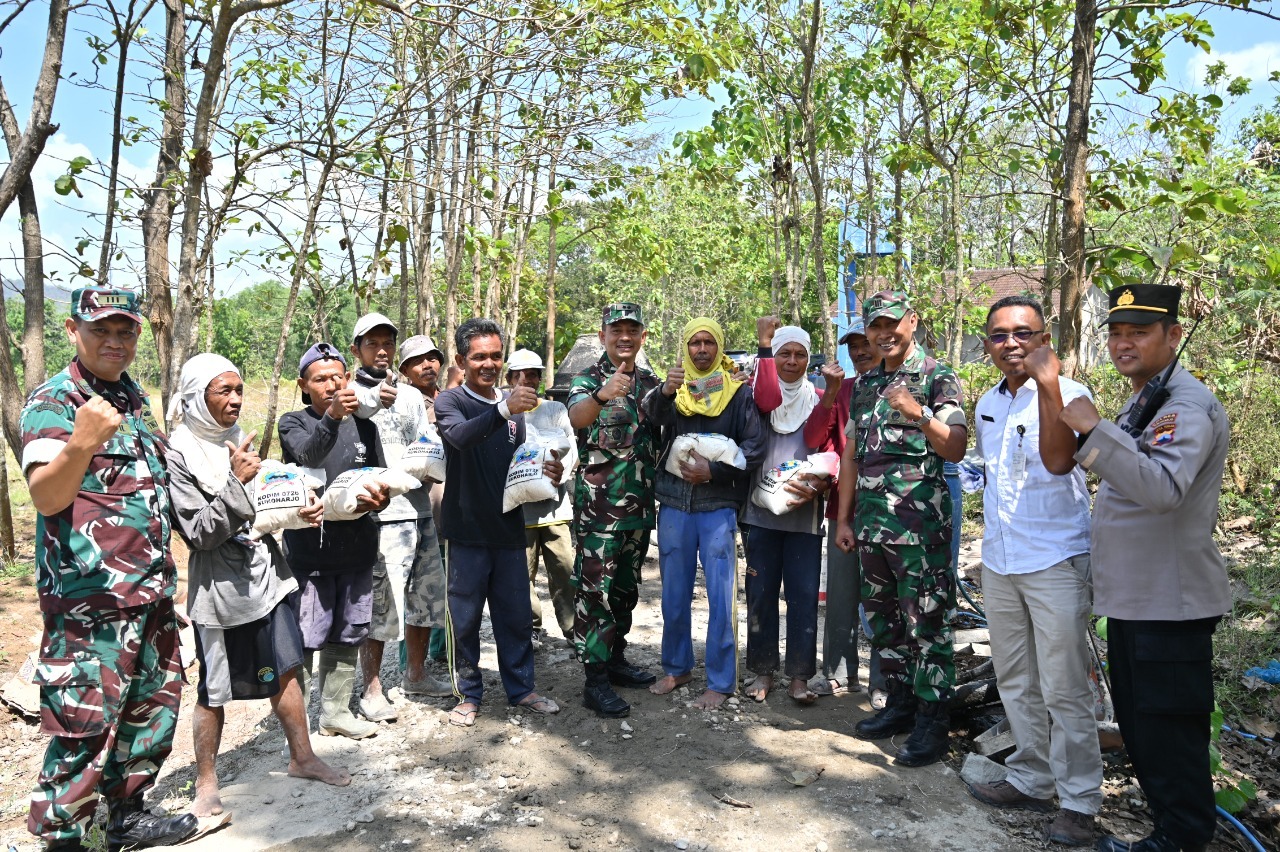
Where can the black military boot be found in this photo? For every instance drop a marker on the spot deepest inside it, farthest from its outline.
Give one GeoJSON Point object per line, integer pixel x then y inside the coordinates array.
{"type": "Point", "coordinates": [897, 717]}
{"type": "Point", "coordinates": [929, 740]}
{"type": "Point", "coordinates": [599, 696]}
{"type": "Point", "coordinates": [131, 826]}
{"type": "Point", "coordinates": [622, 673]}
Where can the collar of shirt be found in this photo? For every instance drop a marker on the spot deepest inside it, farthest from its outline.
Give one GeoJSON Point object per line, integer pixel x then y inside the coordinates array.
{"type": "Point", "coordinates": [499, 398]}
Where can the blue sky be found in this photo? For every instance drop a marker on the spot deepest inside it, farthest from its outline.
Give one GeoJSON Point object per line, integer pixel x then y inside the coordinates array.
{"type": "Point", "coordinates": [1248, 44]}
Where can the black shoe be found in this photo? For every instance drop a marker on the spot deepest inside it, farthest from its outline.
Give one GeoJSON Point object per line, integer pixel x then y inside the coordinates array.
{"type": "Point", "coordinates": [929, 740]}
{"type": "Point", "coordinates": [129, 826]}
{"type": "Point", "coordinates": [897, 717]}
{"type": "Point", "coordinates": [622, 673]}
{"type": "Point", "coordinates": [1157, 841]}
{"type": "Point", "coordinates": [599, 696]}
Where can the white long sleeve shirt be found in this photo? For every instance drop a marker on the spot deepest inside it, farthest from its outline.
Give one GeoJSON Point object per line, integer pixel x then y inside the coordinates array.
{"type": "Point", "coordinates": [1033, 518]}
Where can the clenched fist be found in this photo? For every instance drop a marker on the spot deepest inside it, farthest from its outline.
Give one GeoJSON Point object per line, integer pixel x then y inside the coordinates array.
{"type": "Point", "coordinates": [901, 401]}
{"type": "Point", "coordinates": [1081, 415]}
{"type": "Point", "coordinates": [96, 421]}
{"type": "Point", "coordinates": [765, 327]}
{"type": "Point", "coordinates": [1042, 365]}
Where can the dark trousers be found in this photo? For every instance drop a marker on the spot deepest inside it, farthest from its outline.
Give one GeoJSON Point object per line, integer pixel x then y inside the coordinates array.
{"type": "Point", "coordinates": [1162, 688]}
{"type": "Point", "coordinates": [499, 576]}
{"type": "Point", "coordinates": [790, 561]}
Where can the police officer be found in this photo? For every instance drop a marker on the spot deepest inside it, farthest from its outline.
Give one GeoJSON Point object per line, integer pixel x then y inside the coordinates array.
{"type": "Point", "coordinates": [1158, 576]}
{"type": "Point", "coordinates": [907, 418]}
{"type": "Point", "coordinates": [109, 672]}
{"type": "Point", "coordinates": [613, 505]}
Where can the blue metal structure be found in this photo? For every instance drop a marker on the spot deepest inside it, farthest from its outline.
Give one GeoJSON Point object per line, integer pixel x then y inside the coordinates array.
{"type": "Point", "coordinates": [855, 236]}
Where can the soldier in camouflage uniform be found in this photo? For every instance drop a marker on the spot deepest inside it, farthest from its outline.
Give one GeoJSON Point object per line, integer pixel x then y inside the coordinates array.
{"type": "Point", "coordinates": [613, 505]}
{"type": "Point", "coordinates": [109, 673]}
{"type": "Point", "coordinates": [906, 418]}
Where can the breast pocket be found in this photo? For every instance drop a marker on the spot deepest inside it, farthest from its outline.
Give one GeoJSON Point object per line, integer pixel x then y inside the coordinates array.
{"type": "Point", "coordinates": [905, 439]}
{"type": "Point", "coordinates": [111, 473]}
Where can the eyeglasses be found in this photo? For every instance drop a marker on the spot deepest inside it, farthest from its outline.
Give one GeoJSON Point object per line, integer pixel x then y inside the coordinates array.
{"type": "Point", "coordinates": [1022, 336]}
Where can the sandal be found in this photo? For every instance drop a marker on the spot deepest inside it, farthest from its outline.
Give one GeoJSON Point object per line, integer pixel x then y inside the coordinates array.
{"type": "Point", "coordinates": [539, 704]}
{"type": "Point", "coordinates": [464, 714]}
{"type": "Point", "coordinates": [824, 686]}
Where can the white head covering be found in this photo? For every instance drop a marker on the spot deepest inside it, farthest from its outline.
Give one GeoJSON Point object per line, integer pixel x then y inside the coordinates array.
{"type": "Point", "coordinates": [193, 431]}
{"type": "Point", "coordinates": [524, 359]}
{"type": "Point", "coordinates": [798, 397]}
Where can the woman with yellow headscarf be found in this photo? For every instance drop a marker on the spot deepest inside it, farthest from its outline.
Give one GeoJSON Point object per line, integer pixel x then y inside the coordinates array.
{"type": "Point", "coordinates": [698, 510]}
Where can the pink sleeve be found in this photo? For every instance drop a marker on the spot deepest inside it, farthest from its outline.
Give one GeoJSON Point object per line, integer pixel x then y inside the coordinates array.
{"type": "Point", "coordinates": [767, 391]}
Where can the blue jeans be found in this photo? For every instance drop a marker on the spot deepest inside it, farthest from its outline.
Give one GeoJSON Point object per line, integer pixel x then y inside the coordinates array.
{"type": "Point", "coordinates": [790, 561]}
{"type": "Point", "coordinates": [682, 538]}
{"type": "Point", "coordinates": [499, 577]}
{"type": "Point", "coordinates": [951, 472]}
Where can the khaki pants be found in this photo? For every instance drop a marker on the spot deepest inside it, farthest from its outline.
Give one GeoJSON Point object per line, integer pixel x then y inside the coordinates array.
{"type": "Point", "coordinates": [1039, 646]}
{"type": "Point", "coordinates": [555, 543]}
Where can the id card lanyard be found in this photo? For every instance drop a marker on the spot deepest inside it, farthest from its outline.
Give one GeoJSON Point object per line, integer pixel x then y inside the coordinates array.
{"type": "Point", "coordinates": [1019, 466]}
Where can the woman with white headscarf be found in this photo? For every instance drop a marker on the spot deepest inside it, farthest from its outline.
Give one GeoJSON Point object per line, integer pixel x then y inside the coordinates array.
{"type": "Point", "coordinates": [248, 642]}
{"type": "Point", "coordinates": [784, 552]}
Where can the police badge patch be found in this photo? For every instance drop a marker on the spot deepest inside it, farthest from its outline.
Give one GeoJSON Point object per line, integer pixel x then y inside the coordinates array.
{"type": "Point", "coordinates": [1162, 430]}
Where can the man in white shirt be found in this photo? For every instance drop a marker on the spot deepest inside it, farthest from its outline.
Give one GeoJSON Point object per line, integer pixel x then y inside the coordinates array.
{"type": "Point", "coordinates": [1036, 578]}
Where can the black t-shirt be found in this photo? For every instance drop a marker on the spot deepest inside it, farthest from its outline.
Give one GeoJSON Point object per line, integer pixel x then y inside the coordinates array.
{"type": "Point", "coordinates": [479, 444]}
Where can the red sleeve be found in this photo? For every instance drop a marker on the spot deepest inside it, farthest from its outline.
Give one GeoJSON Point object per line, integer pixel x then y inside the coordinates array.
{"type": "Point", "coordinates": [817, 429]}
{"type": "Point", "coordinates": [765, 387]}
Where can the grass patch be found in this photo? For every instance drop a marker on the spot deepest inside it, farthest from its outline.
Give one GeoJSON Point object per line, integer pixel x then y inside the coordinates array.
{"type": "Point", "coordinates": [1249, 636]}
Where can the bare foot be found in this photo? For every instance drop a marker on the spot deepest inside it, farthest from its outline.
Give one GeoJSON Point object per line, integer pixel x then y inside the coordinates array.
{"type": "Point", "coordinates": [758, 689]}
{"type": "Point", "coordinates": [208, 803]}
{"type": "Point", "coordinates": [317, 770]}
{"type": "Point", "coordinates": [667, 683]}
{"type": "Point", "coordinates": [710, 700]}
{"type": "Point", "coordinates": [800, 693]}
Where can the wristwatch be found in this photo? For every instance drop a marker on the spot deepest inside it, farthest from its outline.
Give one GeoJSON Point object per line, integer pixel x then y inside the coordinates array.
{"type": "Point", "coordinates": [926, 414]}
{"type": "Point", "coordinates": [595, 394]}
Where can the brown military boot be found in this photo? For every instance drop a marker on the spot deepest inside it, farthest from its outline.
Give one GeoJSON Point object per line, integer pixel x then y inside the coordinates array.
{"type": "Point", "coordinates": [1072, 828]}
{"type": "Point", "coordinates": [1002, 794]}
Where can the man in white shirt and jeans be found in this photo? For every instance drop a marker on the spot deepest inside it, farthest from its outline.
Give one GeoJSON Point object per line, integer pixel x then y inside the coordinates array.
{"type": "Point", "coordinates": [1036, 579]}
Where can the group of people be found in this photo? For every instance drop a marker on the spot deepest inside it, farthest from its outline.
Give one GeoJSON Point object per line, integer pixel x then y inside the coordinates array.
{"type": "Point", "coordinates": [109, 487]}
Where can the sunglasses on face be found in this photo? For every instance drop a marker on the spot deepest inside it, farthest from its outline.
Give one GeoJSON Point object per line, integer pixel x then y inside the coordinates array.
{"type": "Point", "coordinates": [1022, 336]}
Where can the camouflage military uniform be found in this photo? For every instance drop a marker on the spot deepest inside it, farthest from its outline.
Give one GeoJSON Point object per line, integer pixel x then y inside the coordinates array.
{"type": "Point", "coordinates": [109, 672]}
{"type": "Point", "coordinates": [902, 522]}
{"type": "Point", "coordinates": [613, 512]}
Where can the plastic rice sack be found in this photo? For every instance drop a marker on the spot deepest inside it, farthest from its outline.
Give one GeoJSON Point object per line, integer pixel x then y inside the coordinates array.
{"type": "Point", "coordinates": [345, 489]}
{"type": "Point", "coordinates": [526, 482]}
{"type": "Point", "coordinates": [279, 493]}
{"type": "Point", "coordinates": [709, 445]}
{"type": "Point", "coordinates": [771, 492]}
{"type": "Point", "coordinates": [424, 460]}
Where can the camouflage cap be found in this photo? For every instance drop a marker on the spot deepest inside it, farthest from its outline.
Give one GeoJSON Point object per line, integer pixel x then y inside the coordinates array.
{"type": "Point", "coordinates": [94, 303]}
{"type": "Point", "coordinates": [886, 303]}
{"type": "Point", "coordinates": [619, 311]}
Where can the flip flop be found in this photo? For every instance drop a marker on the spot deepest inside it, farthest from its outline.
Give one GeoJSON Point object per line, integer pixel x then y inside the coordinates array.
{"type": "Point", "coordinates": [464, 714]}
{"type": "Point", "coordinates": [539, 704]}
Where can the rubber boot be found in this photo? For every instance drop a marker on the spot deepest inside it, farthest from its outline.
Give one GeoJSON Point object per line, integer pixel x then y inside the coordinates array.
{"type": "Point", "coordinates": [130, 826]}
{"type": "Point", "coordinates": [436, 648]}
{"type": "Point", "coordinates": [337, 676]}
{"type": "Point", "coordinates": [598, 694]}
{"type": "Point", "coordinates": [897, 717]}
{"type": "Point", "coordinates": [929, 741]}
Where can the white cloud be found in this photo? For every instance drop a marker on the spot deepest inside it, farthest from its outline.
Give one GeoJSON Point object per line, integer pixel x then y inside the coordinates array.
{"type": "Point", "coordinates": [1255, 63]}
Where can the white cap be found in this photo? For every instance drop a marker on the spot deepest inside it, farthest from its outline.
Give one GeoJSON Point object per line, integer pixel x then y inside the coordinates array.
{"type": "Point", "coordinates": [368, 323]}
{"type": "Point", "coordinates": [523, 359]}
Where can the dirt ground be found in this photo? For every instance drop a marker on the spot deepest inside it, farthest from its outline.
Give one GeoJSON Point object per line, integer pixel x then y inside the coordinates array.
{"type": "Point", "coordinates": [667, 777]}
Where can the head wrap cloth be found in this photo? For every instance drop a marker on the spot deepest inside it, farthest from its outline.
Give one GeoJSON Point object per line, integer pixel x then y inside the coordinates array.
{"type": "Point", "coordinates": [705, 392]}
{"type": "Point", "coordinates": [193, 430]}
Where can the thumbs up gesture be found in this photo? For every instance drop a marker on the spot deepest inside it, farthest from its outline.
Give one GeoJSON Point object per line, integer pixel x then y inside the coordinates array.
{"type": "Point", "coordinates": [244, 458]}
{"type": "Point", "coordinates": [619, 383]}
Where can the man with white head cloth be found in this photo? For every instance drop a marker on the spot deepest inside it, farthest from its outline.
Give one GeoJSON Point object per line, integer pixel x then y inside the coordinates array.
{"type": "Point", "coordinates": [248, 642]}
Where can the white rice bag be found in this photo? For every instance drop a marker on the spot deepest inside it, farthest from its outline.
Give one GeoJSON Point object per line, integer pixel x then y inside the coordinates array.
{"type": "Point", "coordinates": [526, 482]}
{"type": "Point", "coordinates": [424, 460]}
{"type": "Point", "coordinates": [345, 489]}
{"type": "Point", "coordinates": [709, 445]}
{"type": "Point", "coordinates": [771, 492]}
{"type": "Point", "coordinates": [279, 492]}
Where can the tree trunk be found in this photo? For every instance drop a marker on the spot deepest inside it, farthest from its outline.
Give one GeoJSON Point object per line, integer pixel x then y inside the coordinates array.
{"type": "Point", "coordinates": [552, 257]}
{"type": "Point", "coordinates": [124, 37]}
{"type": "Point", "coordinates": [157, 212]}
{"type": "Point", "coordinates": [32, 348]}
{"type": "Point", "coordinates": [1075, 154]}
{"type": "Point", "coordinates": [23, 156]}
{"type": "Point", "coordinates": [6, 507]}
